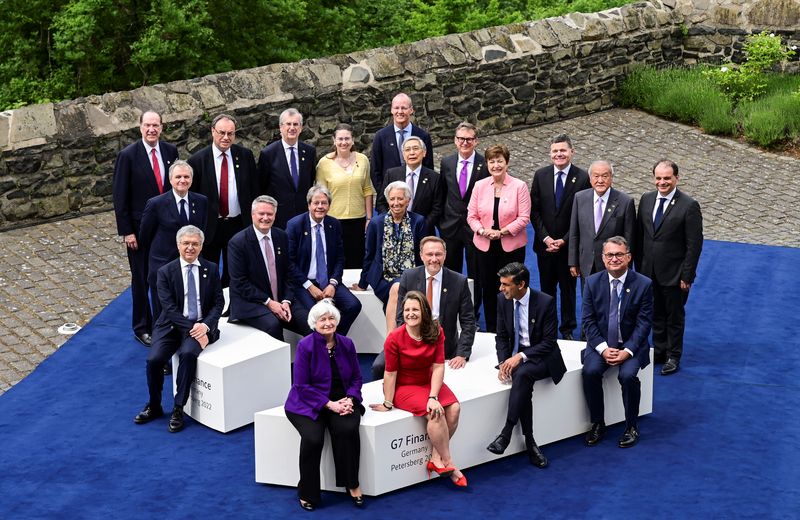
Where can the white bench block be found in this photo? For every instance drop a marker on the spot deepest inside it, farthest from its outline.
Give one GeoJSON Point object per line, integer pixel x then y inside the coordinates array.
{"type": "Point", "coordinates": [245, 371]}
{"type": "Point", "coordinates": [394, 445]}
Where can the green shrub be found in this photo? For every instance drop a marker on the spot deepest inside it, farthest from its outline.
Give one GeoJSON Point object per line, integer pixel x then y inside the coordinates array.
{"type": "Point", "coordinates": [772, 120]}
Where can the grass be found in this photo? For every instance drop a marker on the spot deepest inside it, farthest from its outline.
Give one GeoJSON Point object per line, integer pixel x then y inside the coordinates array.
{"type": "Point", "coordinates": [687, 96]}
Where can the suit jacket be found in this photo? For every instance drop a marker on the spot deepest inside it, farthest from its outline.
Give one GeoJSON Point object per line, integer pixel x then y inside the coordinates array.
{"type": "Point", "coordinates": [586, 246]}
{"type": "Point", "coordinates": [299, 232]}
{"type": "Point", "coordinates": [513, 212]}
{"type": "Point", "coordinates": [205, 182]}
{"type": "Point", "coordinates": [161, 222]}
{"type": "Point", "coordinates": [275, 179]}
{"type": "Point", "coordinates": [372, 270]}
{"type": "Point", "coordinates": [311, 374]}
{"type": "Point", "coordinates": [385, 154]}
{"type": "Point", "coordinates": [427, 197]}
{"type": "Point", "coordinates": [453, 223]}
{"type": "Point", "coordinates": [250, 285]}
{"type": "Point", "coordinates": [455, 306]}
{"type": "Point", "coordinates": [670, 254]}
{"type": "Point", "coordinates": [635, 313]}
{"type": "Point", "coordinates": [547, 221]}
{"type": "Point", "coordinates": [134, 183]}
{"type": "Point", "coordinates": [171, 295]}
{"type": "Point", "coordinates": [542, 329]}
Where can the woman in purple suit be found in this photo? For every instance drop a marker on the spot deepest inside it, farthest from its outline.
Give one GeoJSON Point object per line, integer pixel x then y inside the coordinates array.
{"type": "Point", "coordinates": [326, 393]}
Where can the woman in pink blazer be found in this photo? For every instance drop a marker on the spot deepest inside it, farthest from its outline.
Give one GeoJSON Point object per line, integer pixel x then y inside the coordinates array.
{"type": "Point", "coordinates": [499, 211]}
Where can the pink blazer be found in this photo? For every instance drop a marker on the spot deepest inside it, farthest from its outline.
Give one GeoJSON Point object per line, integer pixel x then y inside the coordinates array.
{"type": "Point", "coordinates": [514, 212]}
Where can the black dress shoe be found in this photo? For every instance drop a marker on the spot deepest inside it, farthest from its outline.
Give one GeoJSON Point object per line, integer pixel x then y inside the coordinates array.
{"type": "Point", "coordinates": [145, 339]}
{"type": "Point", "coordinates": [568, 336]}
{"type": "Point", "coordinates": [308, 506]}
{"type": "Point", "coordinates": [499, 445]}
{"type": "Point", "coordinates": [148, 414]}
{"type": "Point", "coordinates": [595, 434]}
{"type": "Point", "coordinates": [358, 501]}
{"type": "Point", "coordinates": [629, 438]}
{"type": "Point", "coordinates": [168, 369]}
{"type": "Point", "coordinates": [176, 421]}
{"type": "Point", "coordinates": [536, 456]}
{"type": "Point", "coordinates": [670, 367]}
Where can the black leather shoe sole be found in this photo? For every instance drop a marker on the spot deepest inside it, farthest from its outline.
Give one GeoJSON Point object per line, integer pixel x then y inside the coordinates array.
{"type": "Point", "coordinates": [145, 339]}
{"type": "Point", "coordinates": [499, 445]}
{"type": "Point", "coordinates": [670, 367]}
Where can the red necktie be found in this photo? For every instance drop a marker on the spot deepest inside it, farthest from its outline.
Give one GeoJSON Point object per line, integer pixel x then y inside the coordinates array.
{"type": "Point", "coordinates": [223, 186]}
{"type": "Point", "coordinates": [157, 171]}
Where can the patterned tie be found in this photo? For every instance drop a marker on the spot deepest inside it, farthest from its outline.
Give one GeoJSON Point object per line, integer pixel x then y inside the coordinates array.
{"type": "Point", "coordinates": [613, 316]}
{"type": "Point", "coordinates": [273, 274]}
{"type": "Point", "coordinates": [462, 179]}
{"type": "Point", "coordinates": [559, 190]}
{"type": "Point", "coordinates": [191, 294]}
{"type": "Point", "coordinates": [429, 292]}
{"type": "Point", "coordinates": [157, 171]}
{"type": "Point", "coordinates": [517, 327]}
{"type": "Point", "coordinates": [293, 167]}
{"type": "Point", "coordinates": [223, 186]}
{"type": "Point", "coordinates": [659, 213]}
{"type": "Point", "coordinates": [322, 266]}
{"type": "Point", "coordinates": [413, 185]}
{"type": "Point", "coordinates": [184, 216]}
{"type": "Point", "coordinates": [598, 215]}
{"type": "Point", "coordinates": [401, 138]}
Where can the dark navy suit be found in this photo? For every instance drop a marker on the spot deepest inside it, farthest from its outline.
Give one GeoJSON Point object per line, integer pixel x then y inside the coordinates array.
{"type": "Point", "coordinates": [171, 331]}
{"type": "Point", "coordinates": [250, 285]}
{"type": "Point", "coordinates": [275, 179]}
{"type": "Point", "coordinates": [385, 154]}
{"type": "Point", "coordinates": [299, 231]}
{"type": "Point", "coordinates": [160, 224]}
{"type": "Point", "coordinates": [133, 185]}
{"type": "Point", "coordinates": [635, 320]}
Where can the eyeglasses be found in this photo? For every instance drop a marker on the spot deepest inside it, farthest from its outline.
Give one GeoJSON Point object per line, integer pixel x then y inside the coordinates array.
{"type": "Point", "coordinates": [344, 139]}
{"type": "Point", "coordinates": [618, 256]}
{"type": "Point", "coordinates": [466, 140]}
{"type": "Point", "coordinates": [225, 134]}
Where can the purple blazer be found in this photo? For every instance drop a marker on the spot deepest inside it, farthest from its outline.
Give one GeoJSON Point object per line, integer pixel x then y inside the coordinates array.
{"type": "Point", "coordinates": [312, 374]}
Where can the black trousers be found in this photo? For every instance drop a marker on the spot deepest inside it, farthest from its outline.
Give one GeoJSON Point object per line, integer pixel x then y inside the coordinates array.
{"type": "Point", "coordinates": [165, 343]}
{"type": "Point", "coordinates": [345, 443]}
{"type": "Point", "coordinates": [594, 366]}
{"type": "Point", "coordinates": [141, 317]}
{"type": "Point", "coordinates": [270, 323]}
{"type": "Point", "coordinates": [520, 404]}
{"type": "Point", "coordinates": [226, 228]}
{"type": "Point", "coordinates": [457, 249]}
{"type": "Point", "coordinates": [489, 263]}
{"type": "Point", "coordinates": [669, 320]}
{"type": "Point", "coordinates": [554, 273]}
{"type": "Point", "coordinates": [353, 236]}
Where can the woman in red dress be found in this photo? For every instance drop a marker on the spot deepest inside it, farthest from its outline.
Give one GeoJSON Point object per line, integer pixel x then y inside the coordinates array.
{"type": "Point", "coordinates": [414, 381]}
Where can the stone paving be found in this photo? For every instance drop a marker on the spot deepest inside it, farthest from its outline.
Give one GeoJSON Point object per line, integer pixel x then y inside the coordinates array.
{"type": "Point", "coordinates": [68, 271]}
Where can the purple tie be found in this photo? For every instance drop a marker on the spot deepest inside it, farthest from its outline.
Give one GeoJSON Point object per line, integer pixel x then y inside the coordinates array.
{"type": "Point", "coordinates": [462, 179]}
{"type": "Point", "coordinates": [293, 167]}
{"type": "Point", "coordinates": [598, 215]}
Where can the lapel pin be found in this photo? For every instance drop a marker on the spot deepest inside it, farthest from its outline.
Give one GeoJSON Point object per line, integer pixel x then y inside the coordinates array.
{"type": "Point", "coordinates": [305, 233]}
{"type": "Point", "coordinates": [672, 202]}
{"type": "Point", "coordinates": [573, 180]}
{"type": "Point", "coordinates": [424, 180]}
{"type": "Point", "coordinates": [204, 275]}
{"type": "Point", "coordinates": [627, 290]}
{"type": "Point", "coordinates": [533, 320]}
{"type": "Point", "coordinates": [444, 290]}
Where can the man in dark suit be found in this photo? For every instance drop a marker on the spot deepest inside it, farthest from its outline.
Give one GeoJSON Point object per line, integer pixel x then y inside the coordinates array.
{"type": "Point", "coordinates": [388, 141]}
{"type": "Point", "coordinates": [597, 214]}
{"type": "Point", "coordinates": [552, 193]}
{"type": "Point", "coordinates": [139, 176]}
{"type": "Point", "coordinates": [669, 239]}
{"type": "Point", "coordinates": [164, 216]}
{"type": "Point", "coordinates": [425, 184]}
{"type": "Point", "coordinates": [287, 168]}
{"type": "Point", "coordinates": [527, 351]}
{"type": "Point", "coordinates": [226, 174]}
{"type": "Point", "coordinates": [263, 277]}
{"type": "Point", "coordinates": [191, 301]}
{"type": "Point", "coordinates": [617, 315]}
{"type": "Point", "coordinates": [449, 298]}
{"type": "Point", "coordinates": [317, 251]}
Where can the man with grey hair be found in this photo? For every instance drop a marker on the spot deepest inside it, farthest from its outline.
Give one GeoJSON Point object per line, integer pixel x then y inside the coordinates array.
{"type": "Point", "coordinates": [316, 249]}
{"type": "Point", "coordinates": [425, 184]}
{"type": "Point", "coordinates": [286, 168]}
{"type": "Point", "coordinates": [226, 174]}
{"type": "Point", "coordinates": [191, 301]}
{"type": "Point", "coordinates": [263, 277]}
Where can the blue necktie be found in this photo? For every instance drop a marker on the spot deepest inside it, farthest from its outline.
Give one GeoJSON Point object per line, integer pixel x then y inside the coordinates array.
{"type": "Point", "coordinates": [184, 216]}
{"type": "Point", "coordinates": [191, 294]}
{"type": "Point", "coordinates": [322, 266]}
{"type": "Point", "coordinates": [293, 167]}
{"type": "Point", "coordinates": [659, 213]}
{"type": "Point", "coordinates": [613, 316]}
{"type": "Point", "coordinates": [517, 327]}
{"type": "Point", "coordinates": [559, 189]}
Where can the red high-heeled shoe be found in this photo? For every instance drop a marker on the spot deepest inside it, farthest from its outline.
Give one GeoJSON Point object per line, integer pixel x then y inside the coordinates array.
{"type": "Point", "coordinates": [461, 482]}
{"type": "Point", "coordinates": [439, 471]}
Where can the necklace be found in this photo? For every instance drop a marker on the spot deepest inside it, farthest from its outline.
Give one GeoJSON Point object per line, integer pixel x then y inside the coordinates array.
{"type": "Point", "coordinates": [347, 164]}
{"type": "Point", "coordinates": [415, 338]}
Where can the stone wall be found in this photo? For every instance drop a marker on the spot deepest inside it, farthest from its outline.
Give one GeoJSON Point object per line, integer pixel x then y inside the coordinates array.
{"type": "Point", "coordinates": [57, 159]}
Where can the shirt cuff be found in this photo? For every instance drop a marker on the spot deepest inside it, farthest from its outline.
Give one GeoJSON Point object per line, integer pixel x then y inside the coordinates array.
{"type": "Point", "coordinates": [601, 347]}
{"type": "Point", "coordinates": [524, 357]}
{"type": "Point", "coordinates": [307, 284]}
{"type": "Point", "coordinates": [628, 351]}
{"type": "Point", "coordinates": [333, 282]}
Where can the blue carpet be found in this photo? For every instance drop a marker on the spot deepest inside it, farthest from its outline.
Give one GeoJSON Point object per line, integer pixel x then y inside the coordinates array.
{"type": "Point", "coordinates": [722, 442]}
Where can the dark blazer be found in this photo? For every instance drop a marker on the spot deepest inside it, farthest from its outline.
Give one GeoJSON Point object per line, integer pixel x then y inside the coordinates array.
{"type": "Point", "coordinates": [670, 254]}
{"type": "Point", "coordinates": [171, 295]}
{"type": "Point", "coordinates": [161, 222]}
{"type": "Point", "coordinates": [134, 183]}
{"type": "Point", "coordinates": [586, 246]}
{"type": "Point", "coordinates": [455, 306]}
{"type": "Point", "coordinates": [299, 233]}
{"type": "Point", "coordinates": [635, 313]}
{"type": "Point", "coordinates": [453, 222]}
{"type": "Point", "coordinates": [372, 270]}
{"type": "Point", "coordinates": [250, 286]}
{"type": "Point", "coordinates": [275, 179]}
{"type": "Point", "coordinates": [547, 221]}
{"type": "Point", "coordinates": [542, 329]}
{"type": "Point", "coordinates": [311, 374]}
{"type": "Point", "coordinates": [205, 182]}
{"type": "Point", "coordinates": [427, 197]}
{"type": "Point", "coordinates": [385, 155]}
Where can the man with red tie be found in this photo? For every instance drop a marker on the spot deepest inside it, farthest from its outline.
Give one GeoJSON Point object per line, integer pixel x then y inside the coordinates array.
{"type": "Point", "coordinates": [139, 174]}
